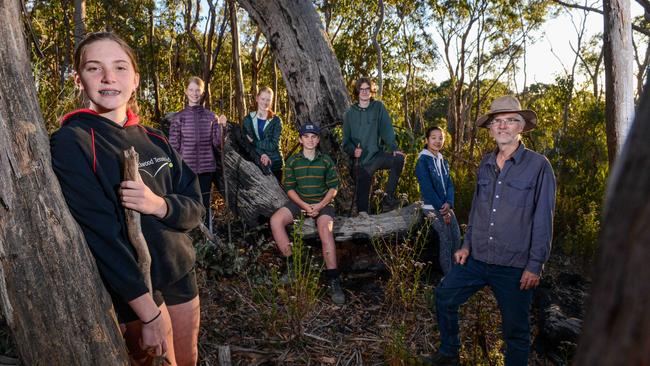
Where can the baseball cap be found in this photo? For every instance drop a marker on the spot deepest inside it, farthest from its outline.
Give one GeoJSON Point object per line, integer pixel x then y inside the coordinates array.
{"type": "Point", "coordinates": [309, 128]}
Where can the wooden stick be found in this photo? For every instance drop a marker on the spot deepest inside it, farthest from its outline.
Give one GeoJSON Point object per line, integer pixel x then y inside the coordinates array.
{"type": "Point", "coordinates": [224, 356]}
{"type": "Point", "coordinates": [131, 161]}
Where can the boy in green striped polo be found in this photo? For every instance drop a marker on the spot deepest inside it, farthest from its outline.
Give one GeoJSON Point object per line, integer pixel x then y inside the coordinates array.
{"type": "Point", "coordinates": [311, 183]}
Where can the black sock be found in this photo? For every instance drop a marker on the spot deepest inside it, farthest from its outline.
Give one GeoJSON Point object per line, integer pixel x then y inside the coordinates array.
{"type": "Point", "coordinates": [331, 274]}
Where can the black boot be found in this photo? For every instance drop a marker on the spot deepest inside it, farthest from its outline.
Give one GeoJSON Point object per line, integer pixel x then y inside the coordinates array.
{"type": "Point", "coordinates": [442, 360]}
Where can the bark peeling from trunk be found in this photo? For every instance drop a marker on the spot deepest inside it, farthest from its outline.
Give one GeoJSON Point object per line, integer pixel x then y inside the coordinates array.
{"type": "Point", "coordinates": [305, 57]}
{"type": "Point", "coordinates": [51, 294]}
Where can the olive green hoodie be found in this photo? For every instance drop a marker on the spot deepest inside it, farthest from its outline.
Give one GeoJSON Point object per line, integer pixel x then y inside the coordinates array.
{"type": "Point", "coordinates": [371, 128]}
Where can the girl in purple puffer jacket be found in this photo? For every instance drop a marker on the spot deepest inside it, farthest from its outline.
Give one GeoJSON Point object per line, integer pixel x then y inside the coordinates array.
{"type": "Point", "coordinates": [194, 132]}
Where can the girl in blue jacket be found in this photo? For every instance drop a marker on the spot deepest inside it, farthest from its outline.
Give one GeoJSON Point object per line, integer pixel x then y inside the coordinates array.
{"type": "Point", "coordinates": [437, 192]}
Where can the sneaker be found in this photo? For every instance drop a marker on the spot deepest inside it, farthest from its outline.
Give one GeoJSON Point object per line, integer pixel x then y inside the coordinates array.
{"type": "Point", "coordinates": [286, 278]}
{"type": "Point", "coordinates": [442, 360]}
{"type": "Point", "coordinates": [389, 203]}
{"type": "Point", "coordinates": [336, 292]}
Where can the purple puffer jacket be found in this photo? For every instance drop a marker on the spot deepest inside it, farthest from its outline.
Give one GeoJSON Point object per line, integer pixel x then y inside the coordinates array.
{"type": "Point", "coordinates": [193, 133]}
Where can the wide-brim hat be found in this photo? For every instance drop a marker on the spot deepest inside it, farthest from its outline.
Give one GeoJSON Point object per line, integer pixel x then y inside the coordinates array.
{"type": "Point", "coordinates": [508, 104]}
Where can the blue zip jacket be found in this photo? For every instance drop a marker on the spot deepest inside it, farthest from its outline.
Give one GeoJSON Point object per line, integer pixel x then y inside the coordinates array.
{"type": "Point", "coordinates": [432, 190]}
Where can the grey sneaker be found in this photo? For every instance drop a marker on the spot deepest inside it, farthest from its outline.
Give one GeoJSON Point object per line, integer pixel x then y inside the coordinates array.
{"type": "Point", "coordinates": [442, 360]}
{"type": "Point", "coordinates": [287, 277]}
{"type": "Point", "coordinates": [336, 292]}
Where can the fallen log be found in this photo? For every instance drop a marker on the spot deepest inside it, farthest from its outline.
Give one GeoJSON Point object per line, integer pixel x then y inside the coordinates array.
{"type": "Point", "coordinates": [369, 226]}
{"type": "Point", "coordinates": [254, 197]}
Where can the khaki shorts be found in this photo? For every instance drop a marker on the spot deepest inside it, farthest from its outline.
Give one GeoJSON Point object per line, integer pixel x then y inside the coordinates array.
{"type": "Point", "coordinates": [296, 210]}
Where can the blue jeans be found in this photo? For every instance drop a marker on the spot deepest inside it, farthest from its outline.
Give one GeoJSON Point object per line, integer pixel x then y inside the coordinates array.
{"type": "Point", "coordinates": [462, 282]}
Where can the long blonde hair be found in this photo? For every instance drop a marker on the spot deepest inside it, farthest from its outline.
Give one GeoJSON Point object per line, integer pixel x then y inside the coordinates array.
{"type": "Point", "coordinates": [267, 89]}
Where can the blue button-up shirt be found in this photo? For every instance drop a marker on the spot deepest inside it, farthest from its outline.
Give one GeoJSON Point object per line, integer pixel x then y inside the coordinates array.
{"type": "Point", "coordinates": [511, 220]}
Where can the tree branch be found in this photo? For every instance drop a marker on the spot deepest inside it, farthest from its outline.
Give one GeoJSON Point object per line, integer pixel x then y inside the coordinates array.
{"type": "Point", "coordinates": [599, 11]}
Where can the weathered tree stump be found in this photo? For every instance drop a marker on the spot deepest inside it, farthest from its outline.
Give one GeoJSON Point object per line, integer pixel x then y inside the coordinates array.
{"type": "Point", "coordinates": [252, 196]}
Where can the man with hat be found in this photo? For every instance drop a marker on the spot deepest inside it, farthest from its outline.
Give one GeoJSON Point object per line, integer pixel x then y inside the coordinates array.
{"type": "Point", "coordinates": [311, 183]}
{"type": "Point", "coordinates": [508, 237]}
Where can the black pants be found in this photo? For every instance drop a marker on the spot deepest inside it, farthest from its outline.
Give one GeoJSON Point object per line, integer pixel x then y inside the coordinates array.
{"type": "Point", "coordinates": [382, 161]}
{"type": "Point", "coordinates": [278, 175]}
{"type": "Point", "coordinates": [205, 182]}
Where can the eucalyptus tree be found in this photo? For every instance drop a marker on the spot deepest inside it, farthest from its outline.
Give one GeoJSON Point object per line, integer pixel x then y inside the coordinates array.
{"type": "Point", "coordinates": [479, 39]}
{"type": "Point", "coordinates": [619, 87]}
{"type": "Point", "coordinates": [641, 46]}
{"type": "Point", "coordinates": [52, 297]}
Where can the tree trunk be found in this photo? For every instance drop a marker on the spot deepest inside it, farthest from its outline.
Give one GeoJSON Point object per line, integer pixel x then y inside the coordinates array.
{"type": "Point", "coordinates": [311, 72]}
{"type": "Point", "coordinates": [252, 196]}
{"type": "Point", "coordinates": [240, 100]}
{"type": "Point", "coordinates": [52, 297]}
{"type": "Point", "coordinates": [274, 73]}
{"type": "Point", "coordinates": [207, 73]}
{"type": "Point", "coordinates": [67, 51]}
{"type": "Point", "coordinates": [154, 67]}
{"type": "Point", "coordinates": [375, 42]}
{"type": "Point", "coordinates": [617, 327]}
{"type": "Point", "coordinates": [619, 84]}
{"type": "Point", "coordinates": [256, 65]}
{"type": "Point", "coordinates": [207, 56]}
{"type": "Point", "coordinates": [642, 67]}
{"type": "Point", "coordinates": [79, 21]}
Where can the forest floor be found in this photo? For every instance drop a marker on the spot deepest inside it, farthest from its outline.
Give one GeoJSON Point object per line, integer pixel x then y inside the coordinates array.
{"type": "Point", "coordinates": [263, 322]}
{"type": "Point", "coordinates": [250, 317]}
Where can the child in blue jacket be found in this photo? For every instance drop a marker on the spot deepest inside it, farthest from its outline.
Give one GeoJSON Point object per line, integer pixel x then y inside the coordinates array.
{"type": "Point", "coordinates": [437, 191]}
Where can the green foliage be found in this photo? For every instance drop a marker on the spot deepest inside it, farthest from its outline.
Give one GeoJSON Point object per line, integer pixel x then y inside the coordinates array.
{"type": "Point", "coordinates": [400, 256]}
{"type": "Point", "coordinates": [303, 289]}
{"type": "Point", "coordinates": [396, 351]}
{"type": "Point", "coordinates": [575, 143]}
{"type": "Point", "coordinates": [286, 301]}
{"type": "Point", "coordinates": [482, 330]}
{"type": "Point", "coordinates": [581, 239]}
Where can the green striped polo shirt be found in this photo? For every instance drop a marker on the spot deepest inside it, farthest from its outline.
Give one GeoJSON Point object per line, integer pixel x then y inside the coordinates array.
{"type": "Point", "coordinates": [311, 179]}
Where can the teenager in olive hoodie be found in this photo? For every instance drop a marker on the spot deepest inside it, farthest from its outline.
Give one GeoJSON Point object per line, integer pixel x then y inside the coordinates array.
{"type": "Point", "coordinates": [368, 136]}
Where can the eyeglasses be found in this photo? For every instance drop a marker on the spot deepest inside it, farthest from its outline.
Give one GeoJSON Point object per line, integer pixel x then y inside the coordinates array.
{"type": "Point", "coordinates": [362, 90]}
{"type": "Point", "coordinates": [508, 121]}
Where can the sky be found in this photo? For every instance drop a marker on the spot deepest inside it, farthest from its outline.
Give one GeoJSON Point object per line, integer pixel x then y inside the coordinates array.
{"type": "Point", "coordinates": [556, 37]}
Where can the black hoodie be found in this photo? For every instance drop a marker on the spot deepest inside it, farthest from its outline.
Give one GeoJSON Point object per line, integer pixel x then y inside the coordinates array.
{"type": "Point", "coordinates": [87, 157]}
